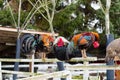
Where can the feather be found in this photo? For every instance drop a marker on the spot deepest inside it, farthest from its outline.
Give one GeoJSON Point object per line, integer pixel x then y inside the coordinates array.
{"type": "Point", "coordinates": [57, 39]}
{"type": "Point", "coordinates": [113, 49]}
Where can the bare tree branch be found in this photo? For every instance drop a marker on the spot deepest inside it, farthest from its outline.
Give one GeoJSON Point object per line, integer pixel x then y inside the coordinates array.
{"type": "Point", "coordinates": [103, 10]}
{"type": "Point", "coordinates": [12, 15]}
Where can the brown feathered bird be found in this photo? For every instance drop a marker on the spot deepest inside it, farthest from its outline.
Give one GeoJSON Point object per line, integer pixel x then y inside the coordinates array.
{"type": "Point", "coordinates": [84, 40]}
{"type": "Point", "coordinates": [113, 50]}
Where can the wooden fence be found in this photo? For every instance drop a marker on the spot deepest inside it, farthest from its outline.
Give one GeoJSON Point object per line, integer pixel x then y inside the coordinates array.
{"type": "Point", "coordinates": [49, 75]}
{"type": "Point", "coordinates": [34, 76]}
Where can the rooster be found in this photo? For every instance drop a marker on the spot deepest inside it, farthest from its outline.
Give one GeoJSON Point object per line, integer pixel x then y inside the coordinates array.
{"type": "Point", "coordinates": [84, 40]}
{"type": "Point", "coordinates": [44, 47]}
{"type": "Point", "coordinates": [113, 50]}
{"type": "Point", "coordinates": [60, 46]}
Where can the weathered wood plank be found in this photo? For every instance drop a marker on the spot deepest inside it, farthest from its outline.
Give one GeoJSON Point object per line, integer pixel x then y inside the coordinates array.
{"type": "Point", "coordinates": [77, 59]}
{"type": "Point", "coordinates": [24, 31]}
{"type": "Point", "coordinates": [8, 40]}
{"type": "Point", "coordinates": [93, 67]}
{"type": "Point", "coordinates": [9, 35]}
{"type": "Point", "coordinates": [48, 60]}
{"type": "Point", "coordinates": [28, 60]}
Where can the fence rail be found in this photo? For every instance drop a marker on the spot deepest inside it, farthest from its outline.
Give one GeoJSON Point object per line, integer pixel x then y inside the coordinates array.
{"type": "Point", "coordinates": [102, 67]}
{"type": "Point", "coordinates": [85, 67]}
{"type": "Point", "coordinates": [77, 59]}
{"type": "Point", "coordinates": [48, 75]}
{"type": "Point", "coordinates": [21, 73]}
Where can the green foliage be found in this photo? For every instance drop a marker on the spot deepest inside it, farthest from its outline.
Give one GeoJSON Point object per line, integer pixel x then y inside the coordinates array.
{"type": "Point", "coordinates": [64, 15]}
{"type": "Point", "coordinates": [115, 18]}
{"type": "Point", "coordinates": [64, 23]}
{"type": "Point", "coordinates": [63, 19]}
{"type": "Point", "coordinates": [1, 3]}
{"type": "Point", "coordinates": [5, 18]}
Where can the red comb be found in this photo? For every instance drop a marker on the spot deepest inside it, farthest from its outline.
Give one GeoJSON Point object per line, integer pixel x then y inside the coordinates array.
{"type": "Point", "coordinates": [96, 44]}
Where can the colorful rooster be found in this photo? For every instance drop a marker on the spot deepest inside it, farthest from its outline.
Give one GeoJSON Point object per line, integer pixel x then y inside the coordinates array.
{"type": "Point", "coordinates": [84, 40]}
{"type": "Point", "coordinates": [60, 46]}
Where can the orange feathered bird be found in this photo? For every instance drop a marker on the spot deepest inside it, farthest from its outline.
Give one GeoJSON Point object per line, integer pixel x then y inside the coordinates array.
{"type": "Point", "coordinates": [84, 40]}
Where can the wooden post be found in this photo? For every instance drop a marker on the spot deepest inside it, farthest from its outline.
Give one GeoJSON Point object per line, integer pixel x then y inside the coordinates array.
{"type": "Point", "coordinates": [0, 70]}
{"type": "Point", "coordinates": [69, 77]}
{"type": "Point", "coordinates": [86, 73]}
{"type": "Point", "coordinates": [31, 69]}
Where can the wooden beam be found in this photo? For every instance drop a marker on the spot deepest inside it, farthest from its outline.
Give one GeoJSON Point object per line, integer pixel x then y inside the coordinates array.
{"type": "Point", "coordinates": [48, 60]}
{"type": "Point", "coordinates": [25, 31]}
{"type": "Point", "coordinates": [9, 35]}
{"type": "Point", "coordinates": [94, 67]}
{"type": "Point", "coordinates": [78, 59]}
{"type": "Point", "coordinates": [27, 60]}
{"type": "Point", "coordinates": [16, 72]}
